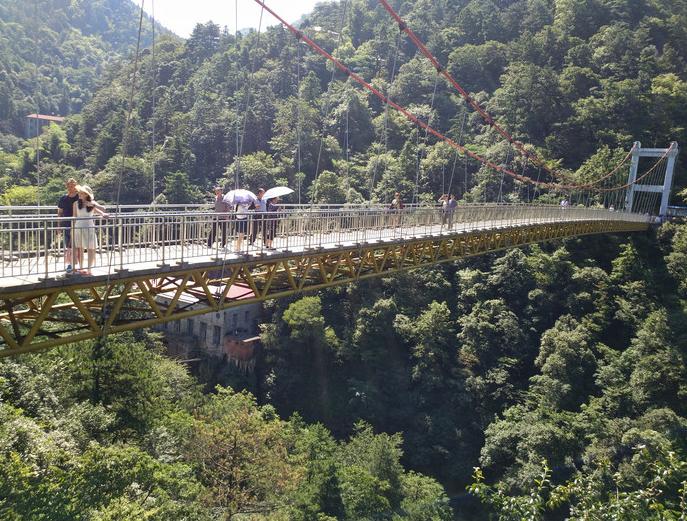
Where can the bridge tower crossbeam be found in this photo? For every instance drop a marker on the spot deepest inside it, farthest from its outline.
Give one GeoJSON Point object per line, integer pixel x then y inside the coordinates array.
{"type": "Point", "coordinates": [663, 189]}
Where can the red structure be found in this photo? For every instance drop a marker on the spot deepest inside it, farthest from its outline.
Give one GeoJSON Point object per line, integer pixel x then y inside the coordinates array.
{"type": "Point", "coordinates": [242, 352]}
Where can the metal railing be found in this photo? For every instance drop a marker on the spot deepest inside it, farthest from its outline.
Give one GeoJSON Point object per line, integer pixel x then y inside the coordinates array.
{"type": "Point", "coordinates": [34, 210]}
{"type": "Point", "coordinates": [34, 245]}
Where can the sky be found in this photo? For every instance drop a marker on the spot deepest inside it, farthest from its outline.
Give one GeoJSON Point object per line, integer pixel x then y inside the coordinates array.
{"type": "Point", "coordinates": [181, 16]}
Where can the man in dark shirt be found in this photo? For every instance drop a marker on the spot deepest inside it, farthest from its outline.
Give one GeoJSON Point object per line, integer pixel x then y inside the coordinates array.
{"type": "Point", "coordinates": [65, 208]}
{"type": "Point", "coordinates": [260, 207]}
{"type": "Point", "coordinates": [222, 209]}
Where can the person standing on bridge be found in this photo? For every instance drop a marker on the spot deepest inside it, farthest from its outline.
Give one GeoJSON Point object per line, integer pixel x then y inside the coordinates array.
{"type": "Point", "coordinates": [241, 220]}
{"type": "Point", "coordinates": [65, 208]}
{"type": "Point", "coordinates": [270, 223]}
{"type": "Point", "coordinates": [443, 201]}
{"type": "Point", "coordinates": [84, 227]}
{"type": "Point", "coordinates": [397, 207]}
{"type": "Point", "coordinates": [258, 225]}
{"type": "Point", "coordinates": [222, 210]}
{"type": "Point", "coordinates": [451, 206]}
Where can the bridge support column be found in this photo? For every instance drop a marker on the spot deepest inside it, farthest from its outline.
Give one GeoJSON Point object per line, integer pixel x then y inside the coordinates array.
{"type": "Point", "coordinates": [634, 164]}
{"type": "Point", "coordinates": [663, 189]}
{"type": "Point", "coordinates": [668, 182]}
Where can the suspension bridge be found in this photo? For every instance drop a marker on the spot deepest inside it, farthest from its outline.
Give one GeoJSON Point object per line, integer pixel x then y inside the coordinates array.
{"type": "Point", "coordinates": [152, 261]}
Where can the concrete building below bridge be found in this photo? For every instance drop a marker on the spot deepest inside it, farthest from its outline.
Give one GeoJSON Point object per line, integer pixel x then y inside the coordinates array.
{"type": "Point", "coordinates": [230, 332]}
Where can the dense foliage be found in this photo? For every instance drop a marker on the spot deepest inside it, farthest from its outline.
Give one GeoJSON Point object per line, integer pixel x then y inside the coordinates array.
{"type": "Point", "coordinates": [578, 80]}
{"type": "Point", "coordinates": [118, 432]}
{"type": "Point", "coordinates": [558, 369]}
{"type": "Point", "coordinates": [570, 354]}
{"type": "Point", "coordinates": [55, 53]}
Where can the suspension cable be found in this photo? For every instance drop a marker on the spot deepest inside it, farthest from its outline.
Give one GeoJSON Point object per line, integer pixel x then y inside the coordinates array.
{"type": "Point", "coordinates": [347, 141]}
{"type": "Point", "coordinates": [490, 164]}
{"type": "Point", "coordinates": [239, 136]}
{"type": "Point", "coordinates": [298, 118]}
{"type": "Point", "coordinates": [471, 101]}
{"type": "Point", "coordinates": [101, 342]}
{"type": "Point", "coordinates": [499, 199]}
{"type": "Point", "coordinates": [327, 107]}
{"type": "Point", "coordinates": [455, 158]}
{"type": "Point", "coordinates": [648, 172]}
{"type": "Point", "coordinates": [536, 188]}
{"type": "Point", "coordinates": [37, 120]}
{"type": "Point", "coordinates": [405, 112]}
{"type": "Point", "coordinates": [127, 123]}
{"type": "Point", "coordinates": [236, 92]}
{"type": "Point", "coordinates": [420, 151]}
{"type": "Point", "coordinates": [386, 112]}
{"type": "Point", "coordinates": [249, 84]}
{"type": "Point", "coordinates": [154, 69]}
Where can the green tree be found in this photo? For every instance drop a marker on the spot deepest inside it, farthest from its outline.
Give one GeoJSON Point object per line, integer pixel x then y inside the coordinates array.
{"type": "Point", "coordinates": [20, 196]}
{"type": "Point", "coordinates": [432, 335]}
{"type": "Point", "coordinates": [657, 493]}
{"type": "Point", "coordinates": [529, 100]}
{"type": "Point", "coordinates": [327, 189]}
{"type": "Point", "coordinates": [676, 260]}
{"type": "Point", "coordinates": [491, 343]}
{"type": "Point", "coordinates": [179, 190]}
{"type": "Point", "coordinates": [128, 375]}
{"type": "Point", "coordinates": [567, 365]}
{"type": "Point", "coordinates": [379, 455]}
{"type": "Point", "coordinates": [241, 454]}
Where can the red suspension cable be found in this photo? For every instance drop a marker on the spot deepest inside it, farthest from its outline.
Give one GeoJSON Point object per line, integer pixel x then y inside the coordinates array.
{"type": "Point", "coordinates": [402, 110]}
{"type": "Point", "coordinates": [473, 103]}
{"type": "Point", "coordinates": [524, 179]}
{"type": "Point", "coordinates": [636, 181]}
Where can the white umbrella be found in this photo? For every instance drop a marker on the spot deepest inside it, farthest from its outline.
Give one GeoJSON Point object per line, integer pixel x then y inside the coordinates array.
{"type": "Point", "coordinates": [240, 196]}
{"type": "Point", "coordinates": [277, 191]}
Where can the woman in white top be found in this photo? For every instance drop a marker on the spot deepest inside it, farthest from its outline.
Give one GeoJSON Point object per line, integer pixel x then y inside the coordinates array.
{"type": "Point", "coordinates": [241, 221]}
{"type": "Point", "coordinates": [84, 237]}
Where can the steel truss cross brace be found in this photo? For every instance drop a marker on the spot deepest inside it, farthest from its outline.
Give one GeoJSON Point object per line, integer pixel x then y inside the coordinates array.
{"type": "Point", "coordinates": [40, 318]}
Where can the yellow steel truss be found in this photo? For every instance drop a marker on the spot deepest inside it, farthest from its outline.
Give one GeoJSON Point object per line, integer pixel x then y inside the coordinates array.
{"type": "Point", "coordinates": [61, 312]}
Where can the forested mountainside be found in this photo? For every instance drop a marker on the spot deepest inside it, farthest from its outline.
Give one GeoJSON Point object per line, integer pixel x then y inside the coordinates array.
{"type": "Point", "coordinates": [570, 355]}
{"type": "Point", "coordinates": [578, 80]}
{"type": "Point", "coordinates": [54, 54]}
{"type": "Point", "coordinates": [561, 365]}
{"type": "Point", "coordinates": [559, 369]}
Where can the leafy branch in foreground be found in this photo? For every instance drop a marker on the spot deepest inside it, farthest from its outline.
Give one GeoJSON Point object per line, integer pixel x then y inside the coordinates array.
{"type": "Point", "coordinates": [659, 493]}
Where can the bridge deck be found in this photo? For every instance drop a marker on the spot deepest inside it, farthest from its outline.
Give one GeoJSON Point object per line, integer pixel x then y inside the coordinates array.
{"type": "Point", "coordinates": [167, 264]}
{"type": "Point", "coordinates": [48, 270]}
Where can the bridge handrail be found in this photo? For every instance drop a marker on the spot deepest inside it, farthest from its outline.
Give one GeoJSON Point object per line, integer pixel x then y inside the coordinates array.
{"type": "Point", "coordinates": [149, 210]}
{"type": "Point", "coordinates": [209, 204]}
{"type": "Point", "coordinates": [34, 245]}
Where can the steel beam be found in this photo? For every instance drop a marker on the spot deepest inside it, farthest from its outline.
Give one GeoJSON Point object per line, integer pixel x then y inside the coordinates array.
{"type": "Point", "coordinates": [35, 319]}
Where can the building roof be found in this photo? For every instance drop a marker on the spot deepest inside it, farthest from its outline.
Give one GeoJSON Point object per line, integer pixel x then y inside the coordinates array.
{"type": "Point", "coordinates": [57, 119]}
{"type": "Point", "coordinates": [240, 292]}
{"type": "Point", "coordinates": [236, 292]}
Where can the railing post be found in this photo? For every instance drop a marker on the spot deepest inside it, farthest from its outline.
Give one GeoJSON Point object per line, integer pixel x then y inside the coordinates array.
{"type": "Point", "coordinates": [45, 246]}
{"type": "Point", "coordinates": [183, 237]}
{"type": "Point", "coordinates": [163, 230]}
{"type": "Point", "coordinates": [120, 239]}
